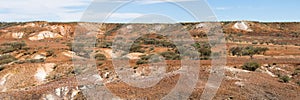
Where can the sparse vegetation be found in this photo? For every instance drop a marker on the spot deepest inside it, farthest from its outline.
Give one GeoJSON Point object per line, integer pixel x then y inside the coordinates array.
{"type": "Point", "coordinates": [36, 60]}
{"type": "Point", "coordinates": [251, 66]}
{"type": "Point", "coordinates": [153, 48]}
{"type": "Point", "coordinates": [5, 24]}
{"type": "Point", "coordinates": [159, 41]}
{"type": "Point", "coordinates": [77, 70]}
{"type": "Point", "coordinates": [50, 53]}
{"type": "Point", "coordinates": [31, 61]}
{"type": "Point", "coordinates": [54, 77]}
{"type": "Point", "coordinates": [104, 44]}
{"type": "Point", "coordinates": [5, 59]}
{"type": "Point", "coordinates": [2, 68]}
{"type": "Point", "coordinates": [255, 42]}
{"type": "Point", "coordinates": [140, 61]}
{"type": "Point", "coordinates": [100, 57]}
{"type": "Point", "coordinates": [15, 45]}
{"type": "Point", "coordinates": [296, 72]}
{"type": "Point", "coordinates": [137, 48]}
{"type": "Point", "coordinates": [170, 55]}
{"type": "Point", "coordinates": [298, 83]}
{"type": "Point", "coordinates": [81, 49]}
{"type": "Point", "coordinates": [11, 46]}
{"type": "Point", "coordinates": [204, 49]}
{"type": "Point", "coordinates": [284, 79]}
{"type": "Point", "coordinates": [100, 63]}
{"type": "Point", "coordinates": [249, 51]}
{"type": "Point", "coordinates": [144, 59]}
{"type": "Point", "coordinates": [147, 58]}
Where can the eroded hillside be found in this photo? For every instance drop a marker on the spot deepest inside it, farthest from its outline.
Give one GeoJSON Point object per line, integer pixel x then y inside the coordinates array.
{"type": "Point", "coordinates": [38, 59]}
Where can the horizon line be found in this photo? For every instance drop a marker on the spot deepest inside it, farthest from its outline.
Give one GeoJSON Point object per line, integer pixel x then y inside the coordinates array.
{"type": "Point", "coordinates": [153, 22]}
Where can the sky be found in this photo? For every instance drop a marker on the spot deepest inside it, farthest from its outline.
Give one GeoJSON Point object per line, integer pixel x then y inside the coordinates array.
{"type": "Point", "coordinates": [154, 10]}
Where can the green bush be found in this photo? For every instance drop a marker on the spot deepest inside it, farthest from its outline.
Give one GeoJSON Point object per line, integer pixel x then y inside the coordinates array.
{"type": "Point", "coordinates": [146, 57]}
{"type": "Point", "coordinates": [296, 72]}
{"type": "Point", "coordinates": [49, 53]}
{"type": "Point", "coordinates": [80, 48]}
{"type": "Point", "coordinates": [149, 41]}
{"type": "Point", "coordinates": [170, 55]}
{"type": "Point", "coordinates": [167, 44]}
{"type": "Point", "coordinates": [295, 35]}
{"type": "Point", "coordinates": [15, 45]}
{"type": "Point", "coordinates": [2, 68]}
{"type": "Point", "coordinates": [31, 61]}
{"type": "Point", "coordinates": [156, 59]}
{"type": "Point", "coordinates": [100, 57]}
{"type": "Point", "coordinates": [255, 42]}
{"type": "Point", "coordinates": [191, 54]}
{"type": "Point", "coordinates": [77, 70]}
{"type": "Point", "coordinates": [298, 83]}
{"type": "Point", "coordinates": [151, 48]}
{"type": "Point", "coordinates": [100, 63]}
{"type": "Point", "coordinates": [36, 60]}
{"type": "Point", "coordinates": [5, 59]}
{"type": "Point", "coordinates": [251, 66]}
{"type": "Point", "coordinates": [140, 61]}
{"type": "Point", "coordinates": [6, 24]}
{"type": "Point", "coordinates": [247, 51]}
{"type": "Point", "coordinates": [6, 50]}
{"type": "Point", "coordinates": [136, 48]}
{"type": "Point", "coordinates": [284, 79]}
{"type": "Point", "coordinates": [11, 46]}
{"type": "Point", "coordinates": [104, 44]}
{"type": "Point", "coordinates": [204, 50]}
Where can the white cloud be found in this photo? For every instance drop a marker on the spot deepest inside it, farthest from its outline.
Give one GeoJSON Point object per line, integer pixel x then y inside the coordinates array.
{"type": "Point", "coordinates": [25, 10]}
{"type": "Point", "coordinates": [143, 1]}
{"type": "Point", "coordinates": [160, 1]}
{"type": "Point", "coordinates": [222, 8]}
{"type": "Point", "coordinates": [62, 10]}
{"type": "Point", "coordinates": [100, 17]}
{"type": "Point", "coordinates": [125, 15]}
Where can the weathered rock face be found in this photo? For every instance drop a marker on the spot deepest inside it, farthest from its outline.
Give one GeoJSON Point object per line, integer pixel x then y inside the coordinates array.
{"type": "Point", "coordinates": [18, 35]}
{"type": "Point", "coordinates": [43, 71]}
{"type": "Point", "coordinates": [38, 31]}
{"type": "Point", "coordinates": [39, 56]}
{"type": "Point", "coordinates": [201, 25]}
{"type": "Point", "coordinates": [64, 92]}
{"type": "Point", "coordinates": [54, 78]}
{"type": "Point", "coordinates": [62, 29]}
{"type": "Point", "coordinates": [30, 25]}
{"type": "Point", "coordinates": [43, 35]}
{"type": "Point", "coordinates": [242, 26]}
{"type": "Point", "coordinates": [3, 82]}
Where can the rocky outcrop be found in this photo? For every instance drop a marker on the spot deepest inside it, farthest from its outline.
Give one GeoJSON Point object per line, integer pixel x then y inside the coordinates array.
{"type": "Point", "coordinates": [242, 26]}
{"type": "Point", "coordinates": [38, 30]}
{"type": "Point", "coordinates": [39, 56]}
{"type": "Point", "coordinates": [18, 35]}
{"type": "Point", "coordinates": [43, 71]}
{"type": "Point", "coordinates": [3, 82]}
{"type": "Point", "coordinates": [43, 35]}
{"type": "Point", "coordinates": [134, 55]}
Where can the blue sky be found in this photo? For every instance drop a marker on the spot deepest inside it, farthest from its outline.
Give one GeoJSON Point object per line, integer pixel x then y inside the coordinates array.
{"type": "Point", "coordinates": [80, 10]}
